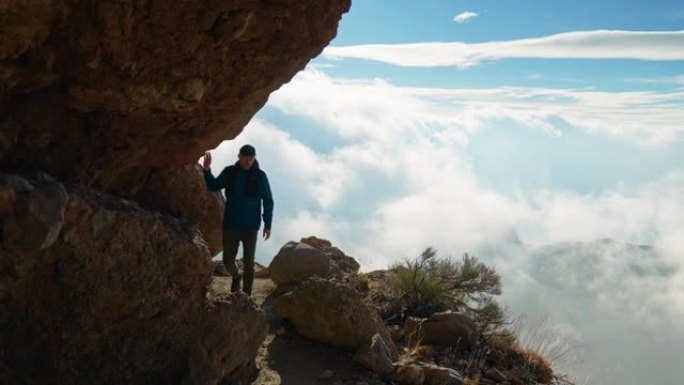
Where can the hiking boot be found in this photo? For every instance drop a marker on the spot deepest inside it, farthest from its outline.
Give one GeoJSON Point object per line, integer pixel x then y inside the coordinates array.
{"type": "Point", "coordinates": [235, 284]}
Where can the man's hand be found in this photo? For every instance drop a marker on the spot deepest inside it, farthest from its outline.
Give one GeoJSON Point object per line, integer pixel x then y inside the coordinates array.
{"type": "Point", "coordinates": [207, 160]}
{"type": "Point", "coordinates": [267, 233]}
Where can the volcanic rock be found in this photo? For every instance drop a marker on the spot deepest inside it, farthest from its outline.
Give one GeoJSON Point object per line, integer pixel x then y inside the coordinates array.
{"type": "Point", "coordinates": [312, 257]}
{"type": "Point", "coordinates": [116, 296]}
{"type": "Point", "coordinates": [105, 94]}
{"type": "Point", "coordinates": [333, 313]}
{"type": "Point", "coordinates": [183, 194]}
{"type": "Point", "coordinates": [446, 328]}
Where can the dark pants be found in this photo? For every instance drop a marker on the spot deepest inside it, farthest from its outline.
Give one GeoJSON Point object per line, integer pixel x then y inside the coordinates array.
{"type": "Point", "coordinates": [231, 241]}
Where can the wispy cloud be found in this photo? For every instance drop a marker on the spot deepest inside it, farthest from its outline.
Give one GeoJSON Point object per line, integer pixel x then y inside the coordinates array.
{"type": "Point", "coordinates": [645, 117]}
{"type": "Point", "coordinates": [602, 44]}
{"type": "Point", "coordinates": [465, 16]}
{"type": "Point", "coordinates": [668, 80]}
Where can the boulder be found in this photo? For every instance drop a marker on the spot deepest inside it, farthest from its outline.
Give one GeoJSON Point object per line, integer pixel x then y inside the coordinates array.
{"type": "Point", "coordinates": [261, 271]}
{"type": "Point", "coordinates": [344, 264]}
{"type": "Point", "coordinates": [312, 257]}
{"type": "Point", "coordinates": [35, 217]}
{"type": "Point", "coordinates": [409, 374]}
{"type": "Point", "coordinates": [295, 262]}
{"type": "Point", "coordinates": [116, 296]}
{"type": "Point", "coordinates": [445, 328]}
{"type": "Point", "coordinates": [333, 313]}
{"type": "Point", "coordinates": [377, 357]}
{"type": "Point", "coordinates": [231, 337]}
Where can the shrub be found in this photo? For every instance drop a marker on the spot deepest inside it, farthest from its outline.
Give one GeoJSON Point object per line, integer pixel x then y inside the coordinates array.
{"type": "Point", "coordinates": [428, 284]}
{"type": "Point", "coordinates": [537, 366]}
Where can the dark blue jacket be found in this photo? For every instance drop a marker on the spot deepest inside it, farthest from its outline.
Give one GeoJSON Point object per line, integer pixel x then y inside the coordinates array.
{"type": "Point", "coordinates": [244, 190]}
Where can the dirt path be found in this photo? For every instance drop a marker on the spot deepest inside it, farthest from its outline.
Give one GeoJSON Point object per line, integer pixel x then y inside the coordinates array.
{"type": "Point", "coordinates": [290, 359]}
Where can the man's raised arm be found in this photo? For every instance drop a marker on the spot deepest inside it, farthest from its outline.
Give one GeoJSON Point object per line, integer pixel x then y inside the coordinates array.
{"type": "Point", "coordinates": [213, 184]}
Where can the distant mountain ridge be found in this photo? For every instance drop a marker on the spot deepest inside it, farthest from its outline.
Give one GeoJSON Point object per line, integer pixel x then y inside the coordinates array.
{"type": "Point", "coordinates": [618, 301]}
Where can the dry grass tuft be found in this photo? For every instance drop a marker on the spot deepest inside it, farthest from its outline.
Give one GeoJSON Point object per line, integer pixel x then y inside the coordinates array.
{"type": "Point", "coordinates": [537, 365]}
{"type": "Point", "coordinates": [526, 365]}
{"type": "Point", "coordinates": [422, 353]}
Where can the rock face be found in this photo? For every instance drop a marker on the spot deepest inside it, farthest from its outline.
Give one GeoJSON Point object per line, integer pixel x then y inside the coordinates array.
{"type": "Point", "coordinates": [312, 257]}
{"type": "Point", "coordinates": [107, 93]}
{"type": "Point", "coordinates": [34, 213]}
{"type": "Point", "coordinates": [335, 314]}
{"type": "Point", "coordinates": [118, 99]}
{"type": "Point", "coordinates": [445, 328]}
{"type": "Point", "coordinates": [183, 193]}
{"type": "Point", "coordinates": [102, 291]}
{"type": "Point", "coordinates": [232, 332]}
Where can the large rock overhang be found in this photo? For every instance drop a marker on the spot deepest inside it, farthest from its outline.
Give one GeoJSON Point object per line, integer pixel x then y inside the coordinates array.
{"type": "Point", "coordinates": [105, 93]}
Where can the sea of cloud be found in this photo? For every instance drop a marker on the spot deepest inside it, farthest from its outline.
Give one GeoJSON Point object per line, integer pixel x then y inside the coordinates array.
{"type": "Point", "coordinates": [395, 177]}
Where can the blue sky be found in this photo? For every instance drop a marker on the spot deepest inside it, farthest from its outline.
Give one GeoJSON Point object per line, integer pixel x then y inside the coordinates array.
{"type": "Point", "coordinates": [463, 125]}
{"type": "Point", "coordinates": [506, 155]}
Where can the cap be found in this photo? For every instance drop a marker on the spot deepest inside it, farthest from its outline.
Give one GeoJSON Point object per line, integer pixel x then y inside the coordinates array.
{"type": "Point", "coordinates": [247, 150]}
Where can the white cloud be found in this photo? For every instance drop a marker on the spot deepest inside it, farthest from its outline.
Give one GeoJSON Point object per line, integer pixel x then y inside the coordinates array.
{"type": "Point", "coordinates": [647, 118]}
{"type": "Point", "coordinates": [602, 44]}
{"type": "Point", "coordinates": [397, 178]}
{"type": "Point", "coordinates": [669, 80]}
{"type": "Point", "coordinates": [462, 17]}
{"type": "Point", "coordinates": [395, 114]}
{"type": "Point", "coordinates": [653, 211]}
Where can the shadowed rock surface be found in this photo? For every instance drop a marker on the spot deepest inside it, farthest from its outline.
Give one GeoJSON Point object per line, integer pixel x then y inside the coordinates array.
{"type": "Point", "coordinates": [344, 321]}
{"type": "Point", "coordinates": [183, 193]}
{"type": "Point", "coordinates": [105, 93]}
{"type": "Point", "coordinates": [118, 296]}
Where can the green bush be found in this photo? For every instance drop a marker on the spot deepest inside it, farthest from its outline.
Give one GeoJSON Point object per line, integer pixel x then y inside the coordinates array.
{"type": "Point", "coordinates": [428, 284]}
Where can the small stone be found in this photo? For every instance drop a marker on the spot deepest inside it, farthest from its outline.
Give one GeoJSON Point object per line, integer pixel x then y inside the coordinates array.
{"type": "Point", "coordinates": [281, 331]}
{"type": "Point", "coordinates": [326, 375]}
{"type": "Point", "coordinates": [409, 374]}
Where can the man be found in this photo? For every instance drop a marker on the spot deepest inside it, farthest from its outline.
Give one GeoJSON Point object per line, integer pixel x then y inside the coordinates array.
{"type": "Point", "coordinates": [246, 186]}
